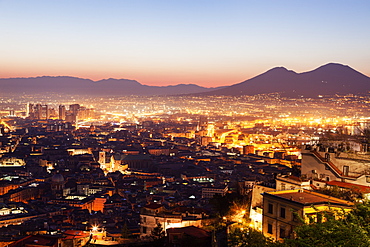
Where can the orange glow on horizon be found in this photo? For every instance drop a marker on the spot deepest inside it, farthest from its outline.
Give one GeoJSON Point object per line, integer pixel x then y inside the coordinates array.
{"type": "Point", "coordinates": [151, 77]}
{"type": "Point", "coordinates": [146, 78]}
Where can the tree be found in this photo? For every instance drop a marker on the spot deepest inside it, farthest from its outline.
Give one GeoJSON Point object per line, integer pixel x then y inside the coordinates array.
{"type": "Point", "coordinates": [331, 233]}
{"type": "Point", "coordinates": [250, 237]}
{"type": "Point", "coordinates": [158, 235]}
{"type": "Point", "coordinates": [360, 216]}
{"type": "Point", "coordinates": [352, 229]}
{"type": "Point", "coordinates": [329, 229]}
{"type": "Point", "coordinates": [125, 233]}
{"type": "Point", "coordinates": [346, 194]}
{"type": "Point", "coordinates": [222, 204]}
{"type": "Point", "coordinates": [187, 241]}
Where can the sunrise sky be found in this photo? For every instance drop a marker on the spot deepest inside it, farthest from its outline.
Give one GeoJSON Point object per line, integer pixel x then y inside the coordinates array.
{"type": "Point", "coordinates": [205, 42]}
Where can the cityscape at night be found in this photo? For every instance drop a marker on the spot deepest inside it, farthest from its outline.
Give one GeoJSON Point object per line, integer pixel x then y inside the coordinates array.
{"type": "Point", "coordinates": [240, 123]}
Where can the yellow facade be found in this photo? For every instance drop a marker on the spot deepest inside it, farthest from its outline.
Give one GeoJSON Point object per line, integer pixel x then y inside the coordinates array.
{"type": "Point", "coordinates": [284, 210]}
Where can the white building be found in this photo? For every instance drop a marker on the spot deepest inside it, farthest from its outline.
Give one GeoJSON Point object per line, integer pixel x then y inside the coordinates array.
{"type": "Point", "coordinates": [284, 182]}
{"type": "Point", "coordinates": [153, 214]}
{"type": "Point", "coordinates": [335, 166]}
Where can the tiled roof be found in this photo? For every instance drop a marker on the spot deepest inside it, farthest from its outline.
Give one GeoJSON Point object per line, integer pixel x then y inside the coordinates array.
{"type": "Point", "coordinates": [307, 197]}
{"type": "Point", "coordinates": [361, 188]}
{"type": "Point", "coordinates": [191, 231]}
{"type": "Point", "coordinates": [153, 206]}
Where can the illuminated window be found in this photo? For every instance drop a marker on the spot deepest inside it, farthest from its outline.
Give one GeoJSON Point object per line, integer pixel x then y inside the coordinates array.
{"type": "Point", "coordinates": [282, 186]}
{"type": "Point", "coordinates": [345, 170]}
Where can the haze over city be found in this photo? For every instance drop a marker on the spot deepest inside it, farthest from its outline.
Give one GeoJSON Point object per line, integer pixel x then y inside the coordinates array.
{"type": "Point", "coordinates": [208, 43]}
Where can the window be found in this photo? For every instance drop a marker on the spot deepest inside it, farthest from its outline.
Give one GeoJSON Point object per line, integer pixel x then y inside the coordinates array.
{"type": "Point", "coordinates": [270, 209]}
{"type": "Point", "coordinates": [144, 229]}
{"type": "Point", "coordinates": [367, 179]}
{"type": "Point", "coordinates": [144, 219]}
{"type": "Point", "coordinates": [282, 232]}
{"type": "Point", "coordinates": [345, 170]}
{"type": "Point", "coordinates": [282, 212]}
{"type": "Point", "coordinates": [269, 228]}
{"type": "Point", "coordinates": [282, 186]}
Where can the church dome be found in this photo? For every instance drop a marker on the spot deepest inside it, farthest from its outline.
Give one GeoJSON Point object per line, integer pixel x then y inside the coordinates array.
{"type": "Point", "coordinates": [57, 178]}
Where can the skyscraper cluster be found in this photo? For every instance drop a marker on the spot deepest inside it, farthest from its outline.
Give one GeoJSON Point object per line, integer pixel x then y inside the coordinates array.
{"type": "Point", "coordinates": [73, 114]}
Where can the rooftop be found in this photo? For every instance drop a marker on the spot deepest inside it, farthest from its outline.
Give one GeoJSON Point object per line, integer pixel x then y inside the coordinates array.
{"type": "Point", "coordinates": [306, 197]}
{"type": "Point", "coordinates": [153, 206]}
{"type": "Point", "coordinates": [361, 188]}
{"type": "Point", "coordinates": [191, 231]}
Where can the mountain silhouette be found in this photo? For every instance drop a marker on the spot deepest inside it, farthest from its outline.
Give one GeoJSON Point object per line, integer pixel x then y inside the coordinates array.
{"type": "Point", "coordinates": [78, 86]}
{"type": "Point", "coordinates": [329, 79]}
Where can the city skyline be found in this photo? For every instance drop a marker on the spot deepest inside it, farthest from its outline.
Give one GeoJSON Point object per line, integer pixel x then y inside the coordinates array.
{"type": "Point", "coordinates": [208, 43]}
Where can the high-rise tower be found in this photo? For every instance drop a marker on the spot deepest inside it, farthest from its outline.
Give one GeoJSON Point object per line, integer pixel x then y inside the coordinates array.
{"type": "Point", "coordinates": [62, 112]}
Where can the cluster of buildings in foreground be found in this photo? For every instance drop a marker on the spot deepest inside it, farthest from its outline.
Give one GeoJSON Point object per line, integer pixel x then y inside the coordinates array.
{"type": "Point", "coordinates": [62, 186]}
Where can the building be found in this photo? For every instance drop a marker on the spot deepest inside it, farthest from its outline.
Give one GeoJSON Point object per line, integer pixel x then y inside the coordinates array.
{"type": "Point", "coordinates": [153, 214]}
{"type": "Point", "coordinates": [69, 238]}
{"type": "Point", "coordinates": [282, 210]}
{"type": "Point", "coordinates": [157, 151]}
{"type": "Point", "coordinates": [324, 164]}
{"type": "Point", "coordinates": [62, 112]}
{"type": "Point", "coordinates": [139, 162]}
{"type": "Point", "coordinates": [91, 203]}
{"type": "Point", "coordinates": [29, 110]}
{"type": "Point", "coordinates": [256, 206]}
{"type": "Point", "coordinates": [74, 108]}
{"type": "Point", "coordinates": [209, 192]}
{"type": "Point", "coordinates": [284, 182]}
{"type": "Point", "coordinates": [359, 189]}
{"type": "Point", "coordinates": [57, 185]}
{"type": "Point", "coordinates": [248, 149]}
{"type": "Point", "coordinates": [11, 162]}
{"type": "Point", "coordinates": [37, 111]}
{"type": "Point", "coordinates": [70, 117]}
{"type": "Point", "coordinates": [188, 234]}
{"type": "Point", "coordinates": [41, 111]}
{"type": "Point", "coordinates": [38, 240]}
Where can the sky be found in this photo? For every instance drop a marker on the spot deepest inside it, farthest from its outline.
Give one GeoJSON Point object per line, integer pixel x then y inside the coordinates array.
{"type": "Point", "coordinates": [157, 42]}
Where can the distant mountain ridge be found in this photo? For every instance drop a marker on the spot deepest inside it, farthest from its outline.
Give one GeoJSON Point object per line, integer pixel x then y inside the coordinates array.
{"type": "Point", "coordinates": [105, 87]}
{"type": "Point", "coordinates": [329, 79]}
